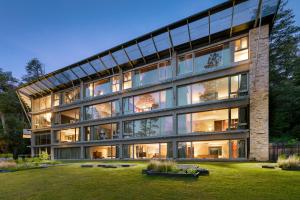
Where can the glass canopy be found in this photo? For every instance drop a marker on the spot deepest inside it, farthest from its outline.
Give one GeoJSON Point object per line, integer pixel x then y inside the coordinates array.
{"type": "Point", "coordinates": [218, 19]}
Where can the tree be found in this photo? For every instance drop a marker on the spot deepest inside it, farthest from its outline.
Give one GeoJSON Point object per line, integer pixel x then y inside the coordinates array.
{"type": "Point", "coordinates": [34, 70]}
{"type": "Point", "coordinates": [284, 76]}
{"type": "Point", "coordinates": [12, 118]}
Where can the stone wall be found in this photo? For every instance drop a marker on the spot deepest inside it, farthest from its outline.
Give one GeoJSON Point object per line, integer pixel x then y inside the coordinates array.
{"type": "Point", "coordinates": [259, 93]}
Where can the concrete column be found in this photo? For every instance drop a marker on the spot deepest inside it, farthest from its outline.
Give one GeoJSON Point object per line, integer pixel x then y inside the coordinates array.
{"type": "Point", "coordinates": [81, 152]}
{"type": "Point", "coordinates": [174, 146]}
{"type": "Point", "coordinates": [259, 93]}
{"type": "Point", "coordinates": [174, 64]}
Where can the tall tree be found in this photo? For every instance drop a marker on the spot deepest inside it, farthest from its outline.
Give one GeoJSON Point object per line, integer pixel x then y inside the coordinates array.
{"type": "Point", "coordinates": [34, 69]}
{"type": "Point", "coordinates": [12, 118]}
{"type": "Point", "coordinates": [284, 64]}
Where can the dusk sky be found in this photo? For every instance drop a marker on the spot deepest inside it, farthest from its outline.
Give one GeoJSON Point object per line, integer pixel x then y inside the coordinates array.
{"type": "Point", "coordinates": [61, 32]}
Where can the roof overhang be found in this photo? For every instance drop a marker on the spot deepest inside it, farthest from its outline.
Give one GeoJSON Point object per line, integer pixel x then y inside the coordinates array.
{"type": "Point", "coordinates": [222, 21]}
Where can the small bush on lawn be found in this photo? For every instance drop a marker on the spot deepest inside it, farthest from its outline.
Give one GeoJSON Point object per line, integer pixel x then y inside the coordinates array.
{"type": "Point", "coordinates": [293, 161]}
{"type": "Point", "coordinates": [162, 166]}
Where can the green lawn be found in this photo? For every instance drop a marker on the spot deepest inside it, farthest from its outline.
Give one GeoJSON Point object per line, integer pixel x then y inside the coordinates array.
{"type": "Point", "coordinates": [226, 181]}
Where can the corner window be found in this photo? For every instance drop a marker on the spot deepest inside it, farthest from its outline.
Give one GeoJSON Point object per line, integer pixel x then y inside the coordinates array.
{"type": "Point", "coordinates": [241, 49]}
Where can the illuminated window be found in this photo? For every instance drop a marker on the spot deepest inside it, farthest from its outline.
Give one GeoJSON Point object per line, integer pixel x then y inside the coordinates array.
{"type": "Point", "coordinates": [101, 152]}
{"type": "Point", "coordinates": [241, 49]}
{"type": "Point", "coordinates": [149, 101]}
{"type": "Point", "coordinates": [115, 83]}
{"type": "Point", "coordinates": [57, 99]}
{"type": "Point", "coordinates": [71, 95]}
{"type": "Point", "coordinates": [67, 135]}
{"type": "Point", "coordinates": [103, 110]}
{"type": "Point", "coordinates": [127, 82]}
{"type": "Point", "coordinates": [212, 121]}
{"type": "Point", "coordinates": [41, 120]}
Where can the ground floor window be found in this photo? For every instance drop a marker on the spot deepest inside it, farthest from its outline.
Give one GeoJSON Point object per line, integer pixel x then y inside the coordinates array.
{"type": "Point", "coordinates": [219, 149]}
{"type": "Point", "coordinates": [148, 151]}
{"type": "Point", "coordinates": [67, 153]}
{"type": "Point", "coordinates": [102, 152]}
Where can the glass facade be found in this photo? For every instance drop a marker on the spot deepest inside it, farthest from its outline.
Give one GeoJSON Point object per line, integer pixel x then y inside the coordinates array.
{"type": "Point", "coordinates": [148, 102]}
{"type": "Point", "coordinates": [158, 126]}
{"type": "Point", "coordinates": [41, 120]}
{"type": "Point", "coordinates": [71, 96]}
{"type": "Point", "coordinates": [218, 89]}
{"type": "Point", "coordinates": [42, 139]}
{"type": "Point", "coordinates": [102, 152]}
{"type": "Point", "coordinates": [102, 132]}
{"type": "Point", "coordinates": [147, 75]}
{"type": "Point", "coordinates": [67, 117]}
{"type": "Point", "coordinates": [67, 153]}
{"type": "Point", "coordinates": [103, 110]}
{"type": "Point", "coordinates": [218, 149]}
{"type": "Point", "coordinates": [67, 135]}
{"type": "Point", "coordinates": [148, 151]}
{"type": "Point", "coordinates": [102, 87]}
{"type": "Point", "coordinates": [42, 103]}
{"type": "Point", "coordinates": [211, 121]}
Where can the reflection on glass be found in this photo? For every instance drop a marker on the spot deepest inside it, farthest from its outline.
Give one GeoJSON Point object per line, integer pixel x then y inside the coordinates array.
{"type": "Point", "coordinates": [147, 75]}
{"type": "Point", "coordinates": [238, 149]}
{"type": "Point", "coordinates": [102, 110]}
{"type": "Point", "coordinates": [159, 126]}
{"type": "Point", "coordinates": [68, 116]}
{"type": "Point", "coordinates": [212, 58]}
{"type": "Point", "coordinates": [185, 64]}
{"type": "Point", "coordinates": [71, 95]}
{"type": "Point", "coordinates": [148, 102]}
{"type": "Point", "coordinates": [105, 132]}
{"type": "Point", "coordinates": [102, 87]}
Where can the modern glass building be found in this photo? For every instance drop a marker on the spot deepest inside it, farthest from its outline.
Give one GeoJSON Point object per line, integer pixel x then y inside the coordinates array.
{"type": "Point", "coordinates": [194, 89]}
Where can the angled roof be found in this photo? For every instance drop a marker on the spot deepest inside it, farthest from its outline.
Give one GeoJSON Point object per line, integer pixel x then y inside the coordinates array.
{"type": "Point", "coordinates": [226, 19]}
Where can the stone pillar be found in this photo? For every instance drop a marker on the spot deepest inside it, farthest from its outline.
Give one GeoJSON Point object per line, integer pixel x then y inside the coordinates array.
{"type": "Point", "coordinates": [259, 93]}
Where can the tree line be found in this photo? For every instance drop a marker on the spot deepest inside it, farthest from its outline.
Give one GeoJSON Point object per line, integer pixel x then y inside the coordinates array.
{"type": "Point", "coordinates": [284, 89]}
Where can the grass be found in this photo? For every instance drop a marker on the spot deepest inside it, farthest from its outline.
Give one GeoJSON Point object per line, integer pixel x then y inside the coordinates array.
{"type": "Point", "coordinates": [226, 181]}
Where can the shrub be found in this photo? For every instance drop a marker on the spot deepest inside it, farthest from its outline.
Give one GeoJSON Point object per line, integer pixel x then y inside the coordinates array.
{"type": "Point", "coordinates": [6, 155]}
{"type": "Point", "coordinates": [44, 156]}
{"type": "Point", "coordinates": [162, 166]}
{"type": "Point", "coordinates": [293, 161]}
{"type": "Point", "coordinates": [7, 164]}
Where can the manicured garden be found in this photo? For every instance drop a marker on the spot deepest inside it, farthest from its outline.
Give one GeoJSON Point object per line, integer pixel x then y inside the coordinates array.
{"type": "Point", "coordinates": [225, 181]}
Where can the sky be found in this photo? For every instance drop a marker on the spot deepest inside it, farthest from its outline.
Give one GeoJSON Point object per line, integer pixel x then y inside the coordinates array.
{"type": "Point", "coordinates": [62, 32]}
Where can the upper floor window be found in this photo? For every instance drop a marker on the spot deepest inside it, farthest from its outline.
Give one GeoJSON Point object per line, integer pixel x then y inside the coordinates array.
{"type": "Point", "coordinates": [41, 103]}
{"type": "Point", "coordinates": [147, 75]}
{"type": "Point", "coordinates": [42, 139]}
{"type": "Point", "coordinates": [67, 135]}
{"type": "Point", "coordinates": [185, 64]}
{"type": "Point", "coordinates": [157, 126]}
{"type": "Point", "coordinates": [149, 101]}
{"type": "Point", "coordinates": [102, 132]}
{"type": "Point", "coordinates": [102, 87]}
{"type": "Point", "coordinates": [103, 110]}
{"type": "Point", "coordinates": [67, 117]}
{"type": "Point", "coordinates": [41, 120]}
{"type": "Point", "coordinates": [71, 95]}
{"type": "Point", "coordinates": [218, 89]}
{"type": "Point", "coordinates": [212, 121]}
{"type": "Point", "coordinates": [212, 58]}
{"type": "Point", "coordinates": [241, 49]}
